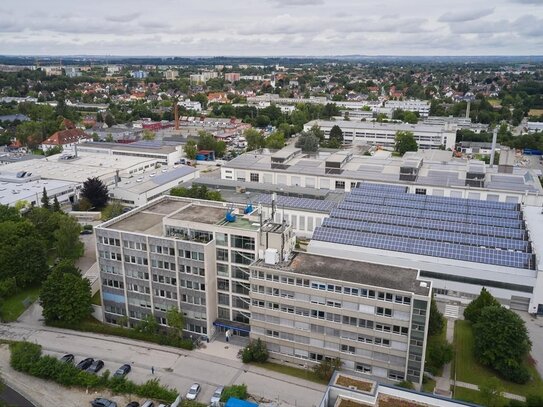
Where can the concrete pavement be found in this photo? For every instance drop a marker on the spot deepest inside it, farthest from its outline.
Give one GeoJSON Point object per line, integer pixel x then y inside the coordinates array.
{"type": "Point", "coordinates": [174, 367]}
{"type": "Point", "coordinates": [535, 331]}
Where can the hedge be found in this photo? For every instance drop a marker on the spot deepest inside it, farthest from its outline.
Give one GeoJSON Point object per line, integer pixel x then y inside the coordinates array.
{"type": "Point", "coordinates": [100, 328]}
{"type": "Point", "coordinates": [27, 357]}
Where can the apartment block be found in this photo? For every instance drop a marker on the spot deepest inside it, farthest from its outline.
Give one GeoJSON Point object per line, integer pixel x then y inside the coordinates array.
{"type": "Point", "coordinates": [373, 317]}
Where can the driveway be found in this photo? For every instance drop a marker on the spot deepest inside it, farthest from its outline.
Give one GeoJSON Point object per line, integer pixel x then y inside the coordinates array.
{"type": "Point", "coordinates": [535, 330]}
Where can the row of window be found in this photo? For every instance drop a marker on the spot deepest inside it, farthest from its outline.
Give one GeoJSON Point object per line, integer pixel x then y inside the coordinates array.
{"type": "Point", "coordinates": [109, 255]}
{"type": "Point", "coordinates": [358, 292]}
{"type": "Point", "coordinates": [193, 285]}
{"type": "Point", "coordinates": [112, 283]}
{"type": "Point", "coordinates": [162, 250]}
{"type": "Point", "coordinates": [197, 271]}
{"type": "Point", "coordinates": [171, 295]}
{"type": "Point", "coordinates": [343, 319]}
{"type": "Point", "coordinates": [192, 299]}
{"type": "Point", "coordinates": [105, 268]}
{"type": "Point", "coordinates": [164, 279]}
{"type": "Point", "coordinates": [129, 244]}
{"type": "Point", "coordinates": [110, 241]}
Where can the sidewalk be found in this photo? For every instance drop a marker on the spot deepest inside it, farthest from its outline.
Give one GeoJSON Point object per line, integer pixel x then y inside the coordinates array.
{"type": "Point", "coordinates": [443, 383]}
{"type": "Point", "coordinates": [475, 387]}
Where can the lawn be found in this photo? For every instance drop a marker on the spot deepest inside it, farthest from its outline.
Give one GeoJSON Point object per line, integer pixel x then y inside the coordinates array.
{"type": "Point", "coordinates": [469, 371]}
{"type": "Point", "coordinates": [471, 396]}
{"type": "Point", "coordinates": [306, 374]}
{"type": "Point", "coordinates": [429, 385]}
{"type": "Point", "coordinates": [13, 307]}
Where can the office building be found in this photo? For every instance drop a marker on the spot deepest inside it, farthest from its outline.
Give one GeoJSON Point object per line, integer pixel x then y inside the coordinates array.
{"type": "Point", "coordinates": [384, 134]}
{"type": "Point", "coordinates": [232, 77]}
{"type": "Point", "coordinates": [170, 74]}
{"type": "Point", "coordinates": [422, 107]}
{"type": "Point", "coordinates": [185, 254]}
{"type": "Point", "coordinates": [373, 317]}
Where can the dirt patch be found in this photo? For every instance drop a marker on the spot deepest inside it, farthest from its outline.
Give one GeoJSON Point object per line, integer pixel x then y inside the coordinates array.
{"type": "Point", "coordinates": [388, 401]}
{"type": "Point", "coordinates": [350, 382]}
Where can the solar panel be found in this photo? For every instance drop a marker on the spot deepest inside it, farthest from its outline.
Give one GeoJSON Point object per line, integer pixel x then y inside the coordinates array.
{"type": "Point", "coordinates": [318, 205]}
{"type": "Point", "coordinates": [484, 230]}
{"type": "Point", "coordinates": [427, 248]}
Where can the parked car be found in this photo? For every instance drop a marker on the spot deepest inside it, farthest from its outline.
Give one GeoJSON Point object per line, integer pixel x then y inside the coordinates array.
{"type": "Point", "coordinates": [193, 392]}
{"type": "Point", "coordinates": [69, 358]}
{"type": "Point", "coordinates": [101, 402]}
{"type": "Point", "coordinates": [85, 363]}
{"type": "Point", "coordinates": [148, 403]}
{"type": "Point", "coordinates": [216, 396]}
{"type": "Point", "coordinates": [85, 232]}
{"type": "Point", "coordinates": [122, 371]}
{"type": "Point", "coordinates": [133, 404]}
{"type": "Point", "coordinates": [95, 366]}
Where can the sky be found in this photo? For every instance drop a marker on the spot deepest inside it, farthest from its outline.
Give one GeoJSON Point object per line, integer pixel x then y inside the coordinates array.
{"type": "Point", "coordinates": [271, 27]}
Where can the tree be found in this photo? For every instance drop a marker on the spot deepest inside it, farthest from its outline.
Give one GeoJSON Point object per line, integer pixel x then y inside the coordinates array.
{"type": "Point", "coordinates": [501, 342]}
{"type": "Point", "coordinates": [405, 141]}
{"type": "Point", "coordinates": [95, 192]}
{"type": "Point", "coordinates": [45, 200]}
{"type": "Point", "coordinates": [255, 139]}
{"type": "Point", "coordinates": [109, 120]}
{"type": "Point", "coordinates": [112, 210]}
{"type": "Point", "coordinates": [238, 391]}
{"type": "Point", "coordinates": [491, 392]}
{"type": "Point", "coordinates": [190, 149]}
{"type": "Point", "coordinates": [255, 351]}
{"type": "Point", "coordinates": [67, 266]}
{"type": "Point", "coordinates": [436, 321]}
{"type": "Point", "coordinates": [326, 367]}
{"type": "Point", "coordinates": [336, 133]}
{"type": "Point", "coordinates": [473, 310]}
{"type": "Point", "coordinates": [148, 135]}
{"type": "Point", "coordinates": [148, 325]}
{"type": "Point", "coordinates": [275, 140]}
{"type": "Point", "coordinates": [176, 321]}
{"type": "Point", "coordinates": [68, 245]}
{"type": "Point", "coordinates": [65, 297]}
{"type": "Point", "coordinates": [109, 138]}
{"type": "Point", "coordinates": [438, 354]}
{"type": "Point", "coordinates": [308, 142]}
{"type": "Point", "coordinates": [56, 205]}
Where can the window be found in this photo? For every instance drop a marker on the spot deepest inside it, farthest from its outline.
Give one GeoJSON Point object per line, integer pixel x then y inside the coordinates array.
{"type": "Point", "coordinates": [348, 349]}
{"type": "Point", "coordinates": [221, 239]}
{"type": "Point", "coordinates": [420, 191]}
{"type": "Point", "coordinates": [242, 242]}
{"type": "Point", "coordinates": [360, 367]}
{"type": "Point", "coordinates": [340, 184]}
{"type": "Point", "coordinates": [222, 254]}
{"type": "Point", "coordinates": [386, 312]}
{"type": "Point", "coordinates": [254, 177]}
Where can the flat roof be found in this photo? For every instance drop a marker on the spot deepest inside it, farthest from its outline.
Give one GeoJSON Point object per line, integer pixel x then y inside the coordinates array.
{"type": "Point", "coordinates": [138, 146]}
{"type": "Point", "coordinates": [377, 275]}
{"type": "Point", "coordinates": [154, 179]}
{"type": "Point", "coordinates": [200, 214]}
{"type": "Point", "coordinates": [437, 170]}
{"type": "Point", "coordinates": [357, 124]}
{"type": "Point", "coordinates": [11, 192]}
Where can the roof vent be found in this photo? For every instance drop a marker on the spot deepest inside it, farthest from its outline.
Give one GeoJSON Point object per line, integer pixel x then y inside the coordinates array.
{"type": "Point", "coordinates": [424, 284]}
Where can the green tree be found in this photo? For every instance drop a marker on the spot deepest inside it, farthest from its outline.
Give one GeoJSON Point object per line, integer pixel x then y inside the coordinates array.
{"type": "Point", "coordinates": [438, 353]}
{"type": "Point", "coordinates": [308, 142]}
{"type": "Point", "coordinates": [56, 205]}
{"type": "Point", "coordinates": [325, 368]}
{"type": "Point", "coordinates": [436, 322]}
{"type": "Point", "coordinates": [275, 140]}
{"type": "Point", "coordinates": [491, 392]}
{"type": "Point", "coordinates": [45, 200]}
{"type": "Point", "coordinates": [474, 308]}
{"type": "Point", "coordinates": [255, 139]}
{"type": "Point", "coordinates": [65, 297]}
{"type": "Point", "coordinates": [68, 245]}
{"type": "Point", "coordinates": [148, 325]}
{"type": "Point", "coordinates": [112, 210]}
{"type": "Point", "coordinates": [176, 321]}
{"type": "Point", "coordinates": [410, 117]}
{"type": "Point", "coordinates": [95, 191]}
{"type": "Point", "coordinates": [148, 135]}
{"type": "Point", "coordinates": [405, 141]}
{"type": "Point", "coordinates": [238, 391]}
{"type": "Point", "coordinates": [109, 120]}
{"type": "Point", "coordinates": [502, 342]}
{"type": "Point", "coordinates": [109, 138]}
{"type": "Point", "coordinates": [191, 149]}
{"type": "Point", "coordinates": [255, 351]}
{"type": "Point", "coordinates": [30, 134]}
{"type": "Point", "coordinates": [336, 133]}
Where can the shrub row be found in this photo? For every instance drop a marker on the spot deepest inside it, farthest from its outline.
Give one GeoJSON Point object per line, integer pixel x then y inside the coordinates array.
{"type": "Point", "coordinates": [97, 327]}
{"type": "Point", "coordinates": [27, 357]}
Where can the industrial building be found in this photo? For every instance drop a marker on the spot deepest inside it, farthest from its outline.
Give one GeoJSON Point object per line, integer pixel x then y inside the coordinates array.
{"type": "Point", "coordinates": [432, 172]}
{"type": "Point", "coordinates": [383, 134]}
{"type": "Point", "coordinates": [422, 107]}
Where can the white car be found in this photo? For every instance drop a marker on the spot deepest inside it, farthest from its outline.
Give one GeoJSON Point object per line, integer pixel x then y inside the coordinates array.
{"type": "Point", "coordinates": [193, 392]}
{"type": "Point", "coordinates": [216, 398]}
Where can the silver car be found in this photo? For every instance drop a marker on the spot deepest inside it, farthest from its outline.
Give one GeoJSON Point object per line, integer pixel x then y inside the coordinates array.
{"type": "Point", "coordinates": [193, 392]}
{"type": "Point", "coordinates": [216, 398]}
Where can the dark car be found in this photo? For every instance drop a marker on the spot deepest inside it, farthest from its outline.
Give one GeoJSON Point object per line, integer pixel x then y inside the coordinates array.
{"type": "Point", "coordinates": [95, 366]}
{"type": "Point", "coordinates": [122, 371]}
{"type": "Point", "coordinates": [85, 232]}
{"type": "Point", "coordinates": [69, 358]}
{"type": "Point", "coordinates": [133, 404]}
{"type": "Point", "coordinates": [101, 402]}
{"type": "Point", "coordinates": [85, 363]}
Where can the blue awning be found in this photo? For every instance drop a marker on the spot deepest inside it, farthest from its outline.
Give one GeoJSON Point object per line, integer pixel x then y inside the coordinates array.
{"type": "Point", "coordinates": [231, 326]}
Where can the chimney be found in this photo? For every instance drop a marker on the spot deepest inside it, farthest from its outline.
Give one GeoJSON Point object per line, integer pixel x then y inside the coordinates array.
{"type": "Point", "coordinates": [493, 151]}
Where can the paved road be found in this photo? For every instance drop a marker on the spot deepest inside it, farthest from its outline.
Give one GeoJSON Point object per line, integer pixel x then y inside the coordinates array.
{"type": "Point", "coordinates": [12, 398]}
{"type": "Point", "coordinates": [175, 368]}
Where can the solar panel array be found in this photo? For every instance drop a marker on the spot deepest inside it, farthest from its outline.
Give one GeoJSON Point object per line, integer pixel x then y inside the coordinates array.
{"type": "Point", "coordinates": [387, 217]}
{"type": "Point", "coordinates": [319, 205]}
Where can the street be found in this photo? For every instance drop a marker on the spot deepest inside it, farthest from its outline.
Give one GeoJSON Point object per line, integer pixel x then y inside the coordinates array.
{"type": "Point", "coordinates": [176, 368]}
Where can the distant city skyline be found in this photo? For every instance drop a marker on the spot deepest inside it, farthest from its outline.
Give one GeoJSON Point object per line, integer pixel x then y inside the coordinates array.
{"type": "Point", "coordinates": [270, 27]}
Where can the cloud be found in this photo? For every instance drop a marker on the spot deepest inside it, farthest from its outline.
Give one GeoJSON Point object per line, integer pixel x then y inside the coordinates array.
{"type": "Point", "coordinates": [286, 3]}
{"type": "Point", "coordinates": [468, 15]}
{"type": "Point", "coordinates": [534, 2]}
{"type": "Point", "coordinates": [123, 18]}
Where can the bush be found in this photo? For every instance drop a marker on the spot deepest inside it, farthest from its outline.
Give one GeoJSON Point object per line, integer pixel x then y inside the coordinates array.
{"type": "Point", "coordinates": [98, 327]}
{"type": "Point", "coordinates": [237, 391]}
{"type": "Point", "coordinates": [255, 351]}
{"type": "Point", "coordinates": [437, 355]}
{"type": "Point", "coordinates": [27, 358]}
{"type": "Point", "coordinates": [406, 384]}
{"type": "Point", "coordinates": [325, 369]}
